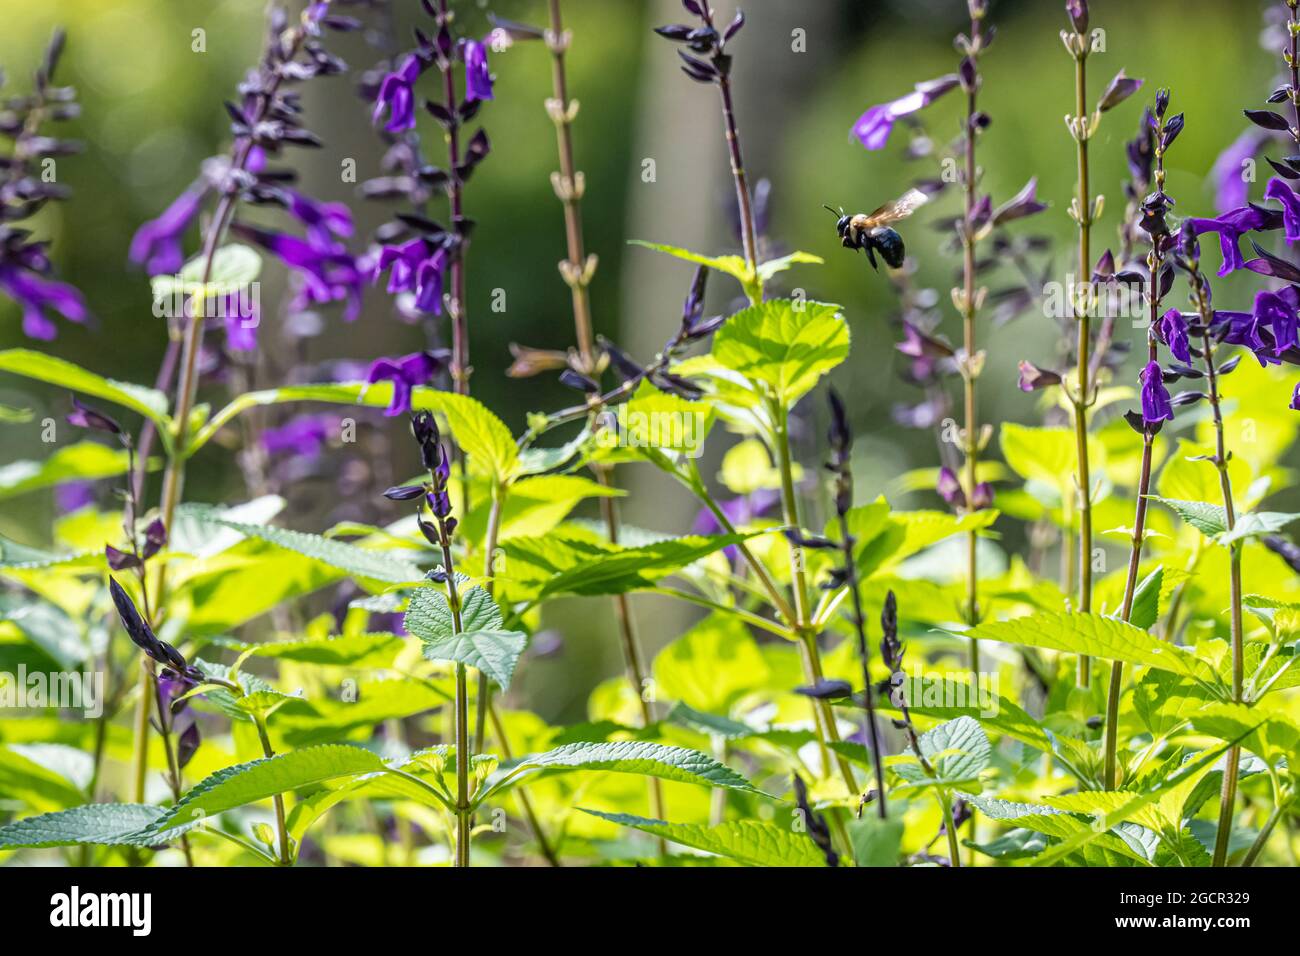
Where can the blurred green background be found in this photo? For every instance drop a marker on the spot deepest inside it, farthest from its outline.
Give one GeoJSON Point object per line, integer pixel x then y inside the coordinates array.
{"type": "Point", "coordinates": [152, 112]}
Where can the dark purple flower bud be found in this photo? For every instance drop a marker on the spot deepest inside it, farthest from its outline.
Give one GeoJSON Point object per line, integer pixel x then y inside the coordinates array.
{"type": "Point", "coordinates": [814, 824]}
{"type": "Point", "coordinates": [83, 416]}
{"type": "Point", "coordinates": [120, 560]}
{"type": "Point", "coordinates": [1295, 399]}
{"type": "Point", "coordinates": [404, 492]}
{"type": "Point", "coordinates": [582, 383]}
{"type": "Point", "coordinates": [1077, 11]}
{"type": "Point", "coordinates": [1270, 265]}
{"type": "Point", "coordinates": [155, 538]}
{"type": "Point", "coordinates": [874, 126]}
{"type": "Point", "coordinates": [1267, 119]}
{"type": "Point", "coordinates": [919, 345]}
{"type": "Point", "coordinates": [529, 361]}
{"type": "Point", "coordinates": [1155, 397]}
{"type": "Point", "coordinates": [1033, 378]}
{"type": "Point", "coordinates": [1283, 548]}
{"type": "Point", "coordinates": [677, 32]}
{"type": "Point", "coordinates": [406, 373]}
{"type": "Point", "coordinates": [439, 503]}
{"type": "Point", "coordinates": [839, 436]}
{"type": "Point", "coordinates": [737, 22]}
{"type": "Point", "coordinates": [949, 489]}
{"type": "Point", "coordinates": [982, 496]}
{"type": "Point", "coordinates": [478, 81]}
{"type": "Point", "coordinates": [157, 245]}
{"type": "Point", "coordinates": [693, 307]}
{"type": "Point", "coordinates": [1162, 102]}
{"type": "Point", "coordinates": [1173, 126]}
{"type": "Point", "coordinates": [1024, 203]}
{"type": "Point", "coordinates": [142, 634]}
{"type": "Point", "coordinates": [1172, 329]}
{"type": "Point", "coordinates": [826, 690]}
{"type": "Point", "coordinates": [1120, 89]}
{"type": "Point", "coordinates": [424, 427]}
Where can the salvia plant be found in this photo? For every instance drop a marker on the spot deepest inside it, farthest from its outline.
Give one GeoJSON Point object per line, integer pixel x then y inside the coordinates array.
{"type": "Point", "coordinates": [325, 678]}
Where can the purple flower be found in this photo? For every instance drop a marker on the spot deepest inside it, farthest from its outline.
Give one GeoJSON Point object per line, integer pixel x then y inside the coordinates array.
{"type": "Point", "coordinates": [36, 296]}
{"type": "Point", "coordinates": [1033, 378]}
{"type": "Point", "coordinates": [1155, 397]}
{"type": "Point", "coordinates": [397, 96]}
{"type": "Point", "coordinates": [1279, 190]}
{"type": "Point", "coordinates": [323, 220]}
{"type": "Point", "coordinates": [416, 266]}
{"type": "Point", "coordinates": [1230, 226]}
{"type": "Point", "coordinates": [1024, 203]}
{"type": "Point", "coordinates": [1231, 188]}
{"type": "Point", "coordinates": [1172, 329]}
{"type": "Point", "coordinates": [949, 489]}
{"type": "Point", "coordinates": [406, 373]}
{"type": "Point", "coordinates": [478, 81]}
{"type": "Point", "coordinates": [874, 126]}
{"type": "Point", "coordinates": [919, 345]}
{"type": "Point", "coordinates": [303, 436]}
{"type": "Point", "coordinates": [73, 496]}
{"type": "Point", "coordinates": [1295, 399]}
{"type": "Point", "coordinates": [157, 244]}
{"type": "Point", "coordinates": [1277, 311]}
{"type": "Point", "coordinates": [328, 272]}
{"type": "Point", "coordinates": [170, 687]}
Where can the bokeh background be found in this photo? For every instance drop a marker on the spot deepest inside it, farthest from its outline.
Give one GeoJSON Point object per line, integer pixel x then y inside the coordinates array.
{"type": "Point", "coordinates": [152, 112]}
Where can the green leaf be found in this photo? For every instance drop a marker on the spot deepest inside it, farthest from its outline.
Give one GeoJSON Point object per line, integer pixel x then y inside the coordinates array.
{"type": "Point", "coordinates": [109, 824]}
{"type": "Point", "coordinates": [148, 402]}
{"type": "Point", "coordinates": [234, 266]}
{"type": "Point", "coordinates": [84, 461]}
{"type": "Point", "coordinates": [260, 779]}
{"type": "Point", "coordinates": [619, 570]}
{"type": "Point", "coordinates": [1094, 635]}
{"type": "Point", "coordinates": [479, 433]}
{"type": "Point", "coordinates": [1257, 523]}
{"type": "Point", "coordinates": [711, 666]}
{"type": "Point", "coordinates": [751, 842]}
{"type": "Point", "coordinates": [482, 643]}
{"type": "Point", "coordinates": [957, 751]}
{"type": "Point", "coordinates": [342, 650]}
{"type": "Point", "coordinates": [875, 841]}
{"type": "Point", "coordinates": [734, 266]}
{"type": "Point", "coordinates": [626, 756]}
{"type": "Point", "coordinates": [1146, 600]}
{"type": "Point", "coordinates": [1204, 517]}
{"type": "Point", "coordinates": [369, 563]}
{"type": "Point", "coordinates": [25, 780]}
{"type": "Point", "coordinates": [786, 345]}
{"type": "Point", "coordinates": [773, 266]}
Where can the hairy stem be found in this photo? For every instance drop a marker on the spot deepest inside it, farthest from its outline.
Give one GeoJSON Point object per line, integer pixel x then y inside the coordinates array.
{"type": "Point", "coordinates": [281, 829]}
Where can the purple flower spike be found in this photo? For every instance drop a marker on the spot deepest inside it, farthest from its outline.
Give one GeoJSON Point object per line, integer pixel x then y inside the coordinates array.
{"type": "Point", "coordinates": [397, 96]}
{"type": "Point", "coordinates": [1277, 312]}
{"type": "Point", "coordinates": [1156, 406]}
{"type": "Point", "coordinates": [1172, 329]}
{"type": "Point", "coordinates": [1279, 190]}
{"type": "Point", "coordinates": [874, 126]}
{"type": "Point", "coordinates": [157, 244]}
{"type": "Point", "coordinates": [478, 81]}
{"type": "Point", "coordinates": [406, 373]}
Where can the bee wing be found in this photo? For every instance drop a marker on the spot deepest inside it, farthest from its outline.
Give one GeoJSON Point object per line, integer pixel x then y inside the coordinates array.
{"type": "Point", "coordinates": [900, 208]}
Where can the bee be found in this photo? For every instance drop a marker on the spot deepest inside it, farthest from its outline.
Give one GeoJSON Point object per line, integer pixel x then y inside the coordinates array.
{"type": "Point", "coordinates": [871, 232]}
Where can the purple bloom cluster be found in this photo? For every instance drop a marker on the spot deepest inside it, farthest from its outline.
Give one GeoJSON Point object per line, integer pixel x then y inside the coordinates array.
{"type": "Point", "coordinates": [266, 119]}
{"type": "Point", "coordinates": [24, 263]}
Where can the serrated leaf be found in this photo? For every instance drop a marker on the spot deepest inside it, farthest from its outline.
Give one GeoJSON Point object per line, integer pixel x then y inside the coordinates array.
{"type": "Point", "coordinates": [495, 653]}
{"type": "Point", "coordinates": [957, 751]}
{"type": "Point", "coordinates": [1094, 635]}
{"type": "Point", "coordinates": [751, 842]}
{"type": "Point", "coordinates": [259, 780]}
{"type": "Point", "coordinates": [626, 756]}
{"type": "Point", "coordinates": [148, 402]}
{"type": "Point", "coordinates": [875, 841]}
{"type": "Point", "coordinates": [1206, 518]}
{"type": "Point", "coordinates": [108, 824]}
{"type": "Point", "coordinates": [84, 461]}
{"type": "Point", "coordinates": [376, 649]}
{"type": "Point", "coordinates": [786, 347]}
{"type": "Point", "coordinates": [429, 617]}
{"type": "Point", "coordinates": [1146, 600]}
{"type": "Point", "coordinates": [368, 563]}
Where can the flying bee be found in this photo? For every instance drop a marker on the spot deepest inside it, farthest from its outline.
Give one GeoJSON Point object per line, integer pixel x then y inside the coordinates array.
{"type": "Point", "coordinates": [871, 232]}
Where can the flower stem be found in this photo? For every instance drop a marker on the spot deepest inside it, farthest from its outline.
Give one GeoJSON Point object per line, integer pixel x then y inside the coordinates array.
{"type": "Point", "coordinates": [281, 829]}
{"type": "Point", "coordinates": [744, 202]}
{"type": "Point", "coordinates": [950, 828]}
{"type": "Point", "coordinates": [1082, 400]}
{"type": "Point", "coordinates": [1228, 793]}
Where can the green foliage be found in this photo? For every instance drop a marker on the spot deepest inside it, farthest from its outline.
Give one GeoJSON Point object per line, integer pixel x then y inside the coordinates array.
{"type": "Point", "coordinates": [752, 842]}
